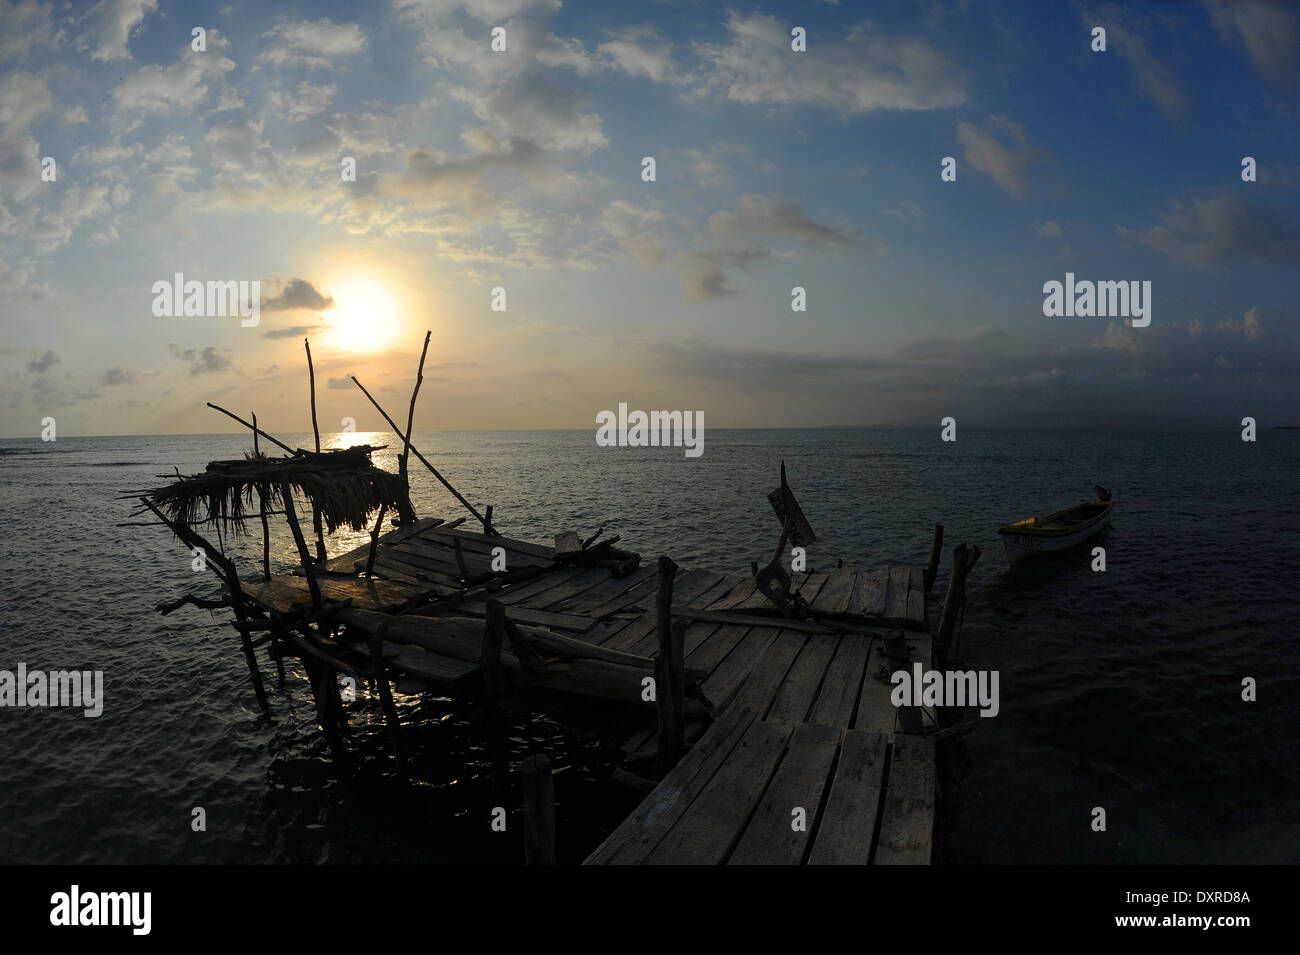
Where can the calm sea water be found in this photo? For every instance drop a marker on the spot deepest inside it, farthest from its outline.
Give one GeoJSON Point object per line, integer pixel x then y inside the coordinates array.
{"type": "Point", "coordinates": [1120, 690]}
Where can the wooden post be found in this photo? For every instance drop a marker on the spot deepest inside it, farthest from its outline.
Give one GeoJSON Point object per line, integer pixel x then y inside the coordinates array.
{"type": "Point", "coordinates": [963, 559]}
{"type": "Point", "coordinates": [669, 674]}
{"type": "Point", "coordinates": [380, 673]}
{"type": "Point", "coordinates": [266, 528]}
{"type": "Point", "coordinates": [410, 418]}
{"type": "Point", "coordinates": [374, 541]}
{"type": "Point", "coordinates": [315, 429]}
{"type": "Point", "coordinates": [493, 637]}
{"type": "Point", "coordinates": [308, 566]}
{"type": "Point", "coordinates": [487, 522]}
{"type": "Point", "coordinates": [936, 553]}
{"type": "Point", "coordinates": [325, 715]}
{"type": "Point", "coordinates": [539, 810]}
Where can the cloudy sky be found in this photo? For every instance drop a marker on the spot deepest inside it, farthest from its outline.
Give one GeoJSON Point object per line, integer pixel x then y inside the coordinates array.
{"type": "Point", "coordinates": [522, 169]}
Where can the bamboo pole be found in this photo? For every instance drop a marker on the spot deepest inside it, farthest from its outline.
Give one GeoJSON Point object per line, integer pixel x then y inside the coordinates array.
{"type": "Point", "coordinates": [228, 414]}
{"type": "Point", "coordinates": [936, 553]}
{"type": "Point", "coordinates": [374, 540]}
{"type": "Point", "coordinates": [410, 416]}
{"type": "Point", "coordinates": [487, 528]}
{"type": "Point", "coordinates": [380, 672]}
{"type": "Point", "coordinates": [669, 674]}
{"type": "Point", "coordinates": [315, 429]}
{"type": "Point", "coordinates": [261, 500]}
{"type": "Point", "coordinates": [304, 557]}
{"type": "Point", "coordinates": [539, 810]}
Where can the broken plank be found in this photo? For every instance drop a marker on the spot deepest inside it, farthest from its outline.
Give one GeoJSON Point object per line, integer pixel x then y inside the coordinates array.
{"type": "Point", "coordinates": [907, 820]}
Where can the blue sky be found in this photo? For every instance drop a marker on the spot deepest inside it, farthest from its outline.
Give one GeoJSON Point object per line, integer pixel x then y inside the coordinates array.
{"type": "Point", "coordinates": [775, 169]}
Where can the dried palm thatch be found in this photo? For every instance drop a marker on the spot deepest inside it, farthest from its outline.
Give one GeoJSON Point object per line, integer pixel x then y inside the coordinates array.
{"type": "Point", "coordinates": [344, 485]}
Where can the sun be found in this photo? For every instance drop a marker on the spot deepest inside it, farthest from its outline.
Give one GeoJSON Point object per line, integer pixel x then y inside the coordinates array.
{"type": "Point", "coordinates": [366, 316]}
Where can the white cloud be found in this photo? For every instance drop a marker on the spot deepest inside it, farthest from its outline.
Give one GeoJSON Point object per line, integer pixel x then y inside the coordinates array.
{"type": "Point", "coordinates": [1006, 162]}
{"type": "Point", "coordinates": [861, 73]}
{"type": "Point", "coordinates": [313, 43]}
{"type": "Point", "coordinates": [112, 22]}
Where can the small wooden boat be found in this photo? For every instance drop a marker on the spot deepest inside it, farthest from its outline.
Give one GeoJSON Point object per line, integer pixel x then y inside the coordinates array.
{"type": "Point", "coordinates": [1037, 536]}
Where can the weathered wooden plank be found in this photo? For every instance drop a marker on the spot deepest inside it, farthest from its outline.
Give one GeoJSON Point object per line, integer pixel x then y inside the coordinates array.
{"type": "Point", "coordinates": [345, 562]}
{"type": "Point", "coordinates": [742, 591]}
{"type": "Point", "coordinates": [707, 831]}
{"type": "Point", "coordinates": [916, 595]}
{"type": "Point", "coordinates": [727, 677]}
{"type": "Point", "coordinates": [617, 592]}
{"type": "Point", "coordinates": [752, 620]}
{"type": "Point", "coordinates": [446, 569]}
{"type": "Point", "coordinates": [800, 780]}
{"type": "Point", "coordinates": [796, 694]}
{"type": "Point", "coordinates": [387, 562]}
{"type": "Point", "coordinates": [835, 595]}
{"type": "Point", "coordinates": [839, 692]}
{"type": "Point", "coordinates": [769, 672]}
{"type": "Point", "coordinates": [724, 586]}
{"type": "Point", "coordinates": [646, 644]}
{"type": "Point", "coordinates": [650, 821]}
{"type": "Point", "coordinates": [896, 604]}
{"type": "Point", "coordinates": [711, 651]}
{"type": "Point", "coordinates": [876, 714]}
{"type": "Point", "coordinates": [286, 592]}
{"type": "Point", "coordinates": [540, 618]}
{"type": "Point", "coordinates": [907, 821]}
{"type": "Point", "coordinates": [844, 834]}
{"type": "Point", "coordinates": [553, 599]}
{"type": "Point", "coordinates": [524, 547]}
{"type": "Point", "coordinates": [514, 595]}
{"type": "Point", "coordinates": [875, 591]}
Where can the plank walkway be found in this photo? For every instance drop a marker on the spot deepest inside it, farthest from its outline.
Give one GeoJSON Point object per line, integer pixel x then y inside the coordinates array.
{"type": "Point", "coordinates": [802, 716]}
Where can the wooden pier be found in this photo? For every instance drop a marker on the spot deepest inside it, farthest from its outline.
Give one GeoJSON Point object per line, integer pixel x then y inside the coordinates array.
{"type": "Point", "coordinates": [802, 720]}
{"type": "Point", "coordinates": [766, 735]}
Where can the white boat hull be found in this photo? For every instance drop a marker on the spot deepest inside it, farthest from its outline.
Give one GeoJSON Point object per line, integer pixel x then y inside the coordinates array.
{"type": "Point", "coordinates": [1022, 547]}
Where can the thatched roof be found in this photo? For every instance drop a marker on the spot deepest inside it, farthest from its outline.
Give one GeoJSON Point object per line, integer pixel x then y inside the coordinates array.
{"type": "Point", "coordinates": [344, 485]}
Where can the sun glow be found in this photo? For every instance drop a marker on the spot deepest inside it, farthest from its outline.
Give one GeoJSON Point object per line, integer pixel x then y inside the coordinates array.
{"type": "Point", "coordinates": [366, 316]}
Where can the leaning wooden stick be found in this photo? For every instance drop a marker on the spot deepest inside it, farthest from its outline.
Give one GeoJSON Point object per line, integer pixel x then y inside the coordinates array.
{"type": "Point", "coordinates": [315, 429]}
{"type": "Point", "coordinates": [410, 415]}
{"type": "Point", "coordinates": [423, 460]}
{"type": "Point", "coordinates": [229, 414]}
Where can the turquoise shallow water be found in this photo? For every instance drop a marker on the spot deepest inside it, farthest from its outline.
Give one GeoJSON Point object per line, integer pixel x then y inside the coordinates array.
{"type": "Point", "coordinates": [1119, 690]}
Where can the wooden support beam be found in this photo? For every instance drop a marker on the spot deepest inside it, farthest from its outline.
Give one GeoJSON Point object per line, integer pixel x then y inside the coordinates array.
{"type": "Point", "coordinates": [315, 429]}
{"type": "Point", "coordinates": [539, 810]}
{"type": "Point", "coordinates": [410, 421]}
{"type": "Point", "coordinates": [494, 635]}
{"type": "Point", "coordinates": [304, 557]}
{"type": "Point", "coordinates": [380, 673]}
{"type": "Point", "coordinates": [374, 541]}
{"type": "Point", "coordinates": [936, 552]}
{"type": "Point", "coordinates": [963, 559]}
{"type": "Point", "coordinates": [670, 677]}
